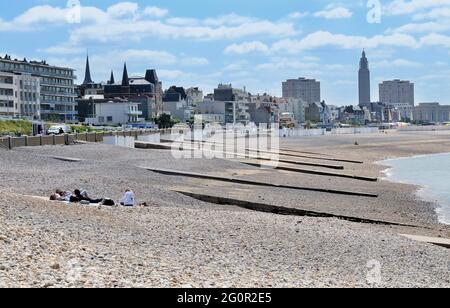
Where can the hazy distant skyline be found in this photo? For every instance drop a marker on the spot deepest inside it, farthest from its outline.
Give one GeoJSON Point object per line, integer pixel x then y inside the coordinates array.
{"type": "Point", "coordinates": [257, 44]}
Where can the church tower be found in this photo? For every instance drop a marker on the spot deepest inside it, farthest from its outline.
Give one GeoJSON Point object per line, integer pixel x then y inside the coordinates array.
{"type": "Point", "coordinates": [364, 81]}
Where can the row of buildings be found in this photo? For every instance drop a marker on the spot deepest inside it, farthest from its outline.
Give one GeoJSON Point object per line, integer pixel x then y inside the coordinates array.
{"type": "Point", "coordinates": [38, 90]}
{"type": "Point", "coordinates": [397, 96]}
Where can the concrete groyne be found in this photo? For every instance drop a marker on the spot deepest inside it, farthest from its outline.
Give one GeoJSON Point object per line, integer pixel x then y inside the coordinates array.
{"type": "Point", "coordinates": [66, 139]}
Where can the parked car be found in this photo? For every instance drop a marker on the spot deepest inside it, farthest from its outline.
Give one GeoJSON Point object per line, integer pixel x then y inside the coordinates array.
{"type": "Point", "coordinates": [58, 129]}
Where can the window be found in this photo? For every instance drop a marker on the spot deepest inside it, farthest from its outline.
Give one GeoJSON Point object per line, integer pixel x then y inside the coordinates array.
{"type": "Point", "coordinates": [109, 119]}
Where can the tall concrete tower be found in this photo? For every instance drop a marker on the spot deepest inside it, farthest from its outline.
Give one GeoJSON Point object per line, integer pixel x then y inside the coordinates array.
{"type": "Point", "coordinates": [364, 81]}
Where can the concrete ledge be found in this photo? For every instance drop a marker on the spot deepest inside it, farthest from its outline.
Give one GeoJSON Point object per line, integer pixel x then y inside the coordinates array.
{"type": "Point", "coordinates": [255, 183]}
{"type": "Point", "coordinates": [302, 152]}
{"type": "Point", "coordinates": [443, 242]}
{"type": "Point", "coordinates": [280, 210]}
{"type": "Point", "coordinates": [152, 146]}
{"type": "Point", "coordinates": [67, 159]}
{"type": "Point", "coordinates": [310, 157]}
{"type": "Point", "coordinates": [314, 172]}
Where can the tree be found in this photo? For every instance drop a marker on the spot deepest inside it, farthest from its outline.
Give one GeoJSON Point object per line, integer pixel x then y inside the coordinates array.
{"type": "Point", "coordinates": [308, 124]}
{"type": "Point", "coordinates": [165, 121]}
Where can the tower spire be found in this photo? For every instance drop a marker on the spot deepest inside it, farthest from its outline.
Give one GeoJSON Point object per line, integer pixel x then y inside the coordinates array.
{"type": "Point", "coordinates": [364, 81]}
{"type": "Point", "coordinates": [125, 79]}
{"type": "Point", "coordinates": [111, 79]}
{"type": "Point", "coordinates": [87, 75]}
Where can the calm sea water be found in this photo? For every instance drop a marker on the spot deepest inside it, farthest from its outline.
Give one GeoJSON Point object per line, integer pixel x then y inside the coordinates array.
{"type": "Point", "coordinates": [431, 172]}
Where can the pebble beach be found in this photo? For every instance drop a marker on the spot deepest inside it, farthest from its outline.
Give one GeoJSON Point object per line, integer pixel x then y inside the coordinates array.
{"type": "Point", "coordinates": [178, 241]}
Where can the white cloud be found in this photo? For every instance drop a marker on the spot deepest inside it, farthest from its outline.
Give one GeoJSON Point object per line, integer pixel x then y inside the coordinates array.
{"type": "Point", "coordinates": [123, 9]}
{"type": "Point", "coordinates": [436, 40]}
{"type": "Point", "coordinates": [293, 68]}
{"type": "Point", "coordinates": [194, 61]}
{"type": "Point", "coordinates": [297, 15]}
{"type": "Point", "coordinates": [235, 67]}
{"type": "Point", "coordinates": [39, 17]}
{"type": "Point", "coordinates": [155, 11]}
{"type": "Point", "coordinates": [170, 74]}
{"type": "Point", "coordinates": [422, 27]}
{"type": "Point", "coordinates": [404, 7]}
{"type": "Point", "coordinates": [247, 47]}
{"type": "Point", "coordinates": [124, 21]}
{"type": "Point", "coordinates": [151, 56]}
{"type": "Point", "coordinates": [42, 14]}
{"type": "Point", "coordinates": [322, 39]}
{"type": "Point", "coordinates": [439, 14]}
{"type": "Point", "coordinates": [334, 12]}
{"type": "Point", "coordinates": [63, 49]}
{"type": "Point", "coordinates": [140, 29]}
{"type": "Point", "coordinates": [181, 21]}
{"type": "Point", "coordinates": [229, 20]}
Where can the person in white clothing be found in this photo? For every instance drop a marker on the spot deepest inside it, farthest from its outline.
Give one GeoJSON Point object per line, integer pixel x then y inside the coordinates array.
{"type": "Point", "coordinates": [128, 199]}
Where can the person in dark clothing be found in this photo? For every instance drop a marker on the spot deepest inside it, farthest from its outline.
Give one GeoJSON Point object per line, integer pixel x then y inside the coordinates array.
{"type": "Point", "coordinates": [84, 196]}
{"type": "Point", "coordinates": [61, 195]}
{"type": "Point", "coordinates": [61, 131]}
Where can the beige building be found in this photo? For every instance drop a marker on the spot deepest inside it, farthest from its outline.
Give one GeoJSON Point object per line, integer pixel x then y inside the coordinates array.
{"type": "Point", "coordinates": [308, 90]}
{"type": "Point", "coordinates": [19, 95]}
{"type": "Point", "coordinates": [397, 91]}
{"type": "Point", "coordinates": [432, 113]}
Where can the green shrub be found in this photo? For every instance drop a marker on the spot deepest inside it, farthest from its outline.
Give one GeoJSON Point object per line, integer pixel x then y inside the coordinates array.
{"type": "Point", "coordinates": [15, 127]}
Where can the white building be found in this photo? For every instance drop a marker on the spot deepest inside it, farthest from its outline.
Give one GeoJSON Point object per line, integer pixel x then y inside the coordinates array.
{"type": "Point", "coordinates": [19, 95]}
{"type": "Point", "coordinates": [9, 102]}
{"type": "Point", "coordinates": [56, 88]}
{"type": "Point", "coordinates": [405, 110]}
{"type": "Point", "coordinates": [194, 96]}
{"type": "Point", "coordinates": [228, 112]}
{"type": "Point", "coordinates": [307, 90]}
{"type": "Point", "coordinates": [397, 92]}
{"type": "Point", "coordinates": [113, 112]}
{"type": "Point", "coordinates": [178, 110]}
{"type": "Point", "coordinates": [210, 118]}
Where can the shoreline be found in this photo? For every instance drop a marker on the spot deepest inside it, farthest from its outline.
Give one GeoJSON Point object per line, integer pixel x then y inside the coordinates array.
{"type": "Point", "coordinates": [424, 192]}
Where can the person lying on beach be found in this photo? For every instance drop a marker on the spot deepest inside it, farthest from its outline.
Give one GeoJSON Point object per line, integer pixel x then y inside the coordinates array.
{"type": "Point", "coordinates": [128, 198]}
{"type": "Point", "coordinates": [64, 196]}
{"type": "Point", "coordinates": [83, 195]}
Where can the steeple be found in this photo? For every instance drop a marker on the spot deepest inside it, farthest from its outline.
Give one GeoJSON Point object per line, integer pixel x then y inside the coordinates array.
{"type": "Point", "coordinates": [125, 80]}
{"type": "Point", "coordinates": [364, 63]}
{"type": "Point", "coordinates": [111, 79]}
{"type": "Point", "coordinates": [87, 75]}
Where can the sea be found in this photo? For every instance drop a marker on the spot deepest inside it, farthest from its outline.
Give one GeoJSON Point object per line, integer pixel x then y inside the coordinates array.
{"type": "Point", "coordinates": [431, 172]}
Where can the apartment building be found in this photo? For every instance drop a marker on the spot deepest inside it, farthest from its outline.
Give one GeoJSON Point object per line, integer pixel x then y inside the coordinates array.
{"type": "Point", "coordinates": [56, 88]}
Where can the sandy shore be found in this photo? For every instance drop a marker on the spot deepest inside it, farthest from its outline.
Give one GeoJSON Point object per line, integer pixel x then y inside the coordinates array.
{"type": "Point", "coordinates": [179, 241]}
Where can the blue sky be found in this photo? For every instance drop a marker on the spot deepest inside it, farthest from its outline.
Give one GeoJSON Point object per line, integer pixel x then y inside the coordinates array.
{"type": "Point", "coordinates": [256, 44]}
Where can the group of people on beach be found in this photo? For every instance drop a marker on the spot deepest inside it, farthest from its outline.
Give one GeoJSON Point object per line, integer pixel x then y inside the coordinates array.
{"type": "Point", "coordinates": [83, 197]}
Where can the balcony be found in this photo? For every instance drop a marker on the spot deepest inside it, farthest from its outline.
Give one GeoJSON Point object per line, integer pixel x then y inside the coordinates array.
{"type": "Point", "coordinates": [6, 85]}
{"type": "Point", "coordinates": [7, 97]}
{"type": "Point", "coordinates": [59, 112]}
{"type": "Point", "coordinates": [40, 73]}
{"type": "Point", "coordinates": [52, 102]}
{"type": "Point", "coordinates": [134, 113]}
{"type": "Point", "coordinates": [48, 83]}
{"type": "Point", "coordinates": [57, 93]}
